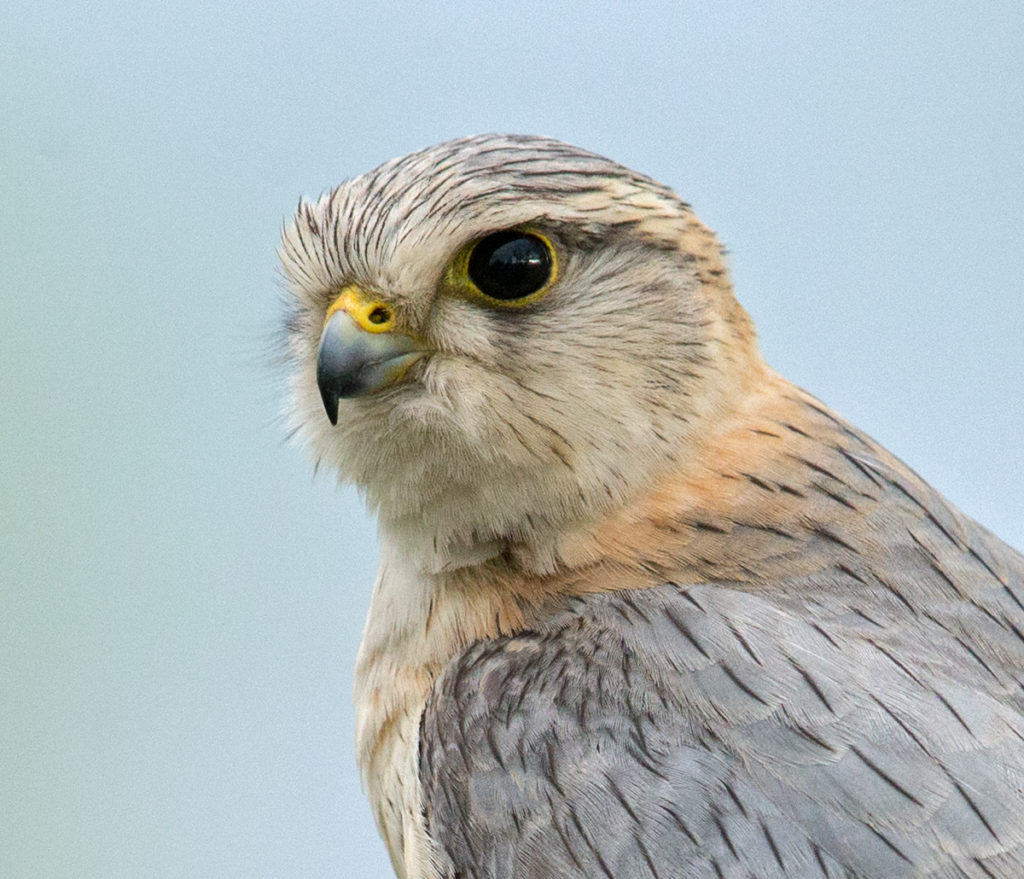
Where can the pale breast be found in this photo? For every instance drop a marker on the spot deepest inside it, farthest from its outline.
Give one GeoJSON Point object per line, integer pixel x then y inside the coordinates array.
{"type": "Point", "coordinates": [417, 622]}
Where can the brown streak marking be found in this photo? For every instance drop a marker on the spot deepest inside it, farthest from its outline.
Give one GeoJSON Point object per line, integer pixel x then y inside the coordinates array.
{"type": "Point", "coordinates": [977, 656]}
{"type": "Point", "coordinates": [952, 583]}
{"type": "Point", "coordinates": [725, 836]}
{"type": "Point", "coordinates": [978, 863]}
{"type": "Point", "coordinates": [827, 534]}
{"type": "Point", "coordinates": [679, 822]}
{"type": "Point", "coordinates": [844, 569]}
{"type": "Point", "coordinates": [892, 658]}
{"type": "Point", "coordinates": [617, 793]}
{"type": "Point", "coordinates": [732, 676]}
{"type": "Point", "coordinates": [882, 774]}
{"type": "Point", "coordinates": [902, 489]}
{"type": "Point", "coordinates": [684, 630]}
{"type": "Point", "coordinates": [562, 835]}
{"type": "Point", "coordinates": [818, 628]}
{"type": "Point", "coordinates": [865, 618]}
{"type": "Point", "coordinates": [772, 846]}
{"type": "Point", "coordinates": [856, 462]}
{"type": "Point", "coordinates": [897, 594]}
{"type": "Point", "coordinates": [973, 552]}
{"type": "Point", "coordinates": [760, 483]}
{"type": "Point", "coordinates": [813, 684]}
{"type": "Point", "coordinates": [738, 635]}
{"type": "Point", "coordinates": [590, 845]}
{"type": "Point", "coordinates": [974, 808]}
{"type": "Point", "coordinates": [954, 712]}
{"type": "Point", "coordinates": [647, 857]}
{"type": "Point", "coordinates": [838, 498]}
{"type": "Point", "coordinates": [811, 737]}
{"type": "Point", "coordinates": [887, 841]}
{"type": "Point", "coordinates": [732, 796]}
{"type": "Point", "coordinates": [1013, 596]}
{"type": "Point", "coordinates": [903, 726]}
{"type": "Point", "coordinates": [817, 468]}
{"type": "Point", "coordinates": [821, 861]}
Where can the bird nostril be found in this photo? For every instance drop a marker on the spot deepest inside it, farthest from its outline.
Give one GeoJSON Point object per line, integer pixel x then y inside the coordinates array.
{"type": "Point", "coordinates": [379, 315]}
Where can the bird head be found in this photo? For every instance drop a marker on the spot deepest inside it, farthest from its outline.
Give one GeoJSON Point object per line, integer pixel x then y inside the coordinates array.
{"type": "Point", "coordinates": [500, 338]}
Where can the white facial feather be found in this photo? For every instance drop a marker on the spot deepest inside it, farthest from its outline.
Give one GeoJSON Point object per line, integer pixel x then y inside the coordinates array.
{"type": "Point", "coordinates": [522, 422]}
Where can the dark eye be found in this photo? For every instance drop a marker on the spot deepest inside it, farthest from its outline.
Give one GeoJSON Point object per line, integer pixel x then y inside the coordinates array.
{"type": "Point", "coordinates": [510, 265]}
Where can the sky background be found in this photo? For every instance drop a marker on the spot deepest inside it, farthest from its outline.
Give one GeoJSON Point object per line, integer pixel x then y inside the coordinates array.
{"type": "Point", "coordinates": [180, 599]}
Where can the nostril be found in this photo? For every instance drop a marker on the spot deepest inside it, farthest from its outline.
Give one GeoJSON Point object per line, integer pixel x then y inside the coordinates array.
{"type": "Point", "coordinates": [379, 315]}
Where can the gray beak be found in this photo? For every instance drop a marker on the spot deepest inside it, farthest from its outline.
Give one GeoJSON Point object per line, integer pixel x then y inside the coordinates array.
{"type": "Point", "coordinates": [353, 362]}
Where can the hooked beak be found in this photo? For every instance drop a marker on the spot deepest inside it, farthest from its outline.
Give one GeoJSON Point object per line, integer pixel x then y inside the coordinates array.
{"type": "Point", "coordinates": [359, 353]}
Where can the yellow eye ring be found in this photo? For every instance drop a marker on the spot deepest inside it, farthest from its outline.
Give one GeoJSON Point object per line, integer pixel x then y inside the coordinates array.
{"type": "Point", "coordinates": [511, 268]}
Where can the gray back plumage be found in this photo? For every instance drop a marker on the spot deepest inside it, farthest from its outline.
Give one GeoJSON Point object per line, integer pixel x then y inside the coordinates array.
{"type": "Point", "coordinates": [860, 719]}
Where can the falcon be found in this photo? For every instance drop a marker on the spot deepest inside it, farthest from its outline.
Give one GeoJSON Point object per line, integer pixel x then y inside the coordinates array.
{"type": "Point", "coordinates": [644, 608]}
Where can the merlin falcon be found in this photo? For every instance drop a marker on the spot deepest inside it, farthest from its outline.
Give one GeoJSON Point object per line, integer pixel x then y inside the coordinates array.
{"type": "Point", "coordinates": [644, 608]}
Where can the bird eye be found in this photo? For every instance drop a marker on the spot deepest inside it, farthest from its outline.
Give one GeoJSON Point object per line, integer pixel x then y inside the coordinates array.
{"type": "Point", "coordinates": [509, 266]}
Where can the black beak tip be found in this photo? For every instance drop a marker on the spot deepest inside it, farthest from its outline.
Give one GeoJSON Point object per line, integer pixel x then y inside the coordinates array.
{"type": "Point", "coordinates": [330, 403]}
{"type": "Point", "coordinates": [327, 382]}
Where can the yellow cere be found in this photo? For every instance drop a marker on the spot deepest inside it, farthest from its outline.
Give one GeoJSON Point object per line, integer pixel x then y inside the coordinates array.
{"type": "Point", "coordinates": [372, 315]}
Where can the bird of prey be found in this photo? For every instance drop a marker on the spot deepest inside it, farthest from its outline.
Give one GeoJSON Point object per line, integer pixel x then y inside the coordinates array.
{"type": "Point", "coordinates": [644, 608]}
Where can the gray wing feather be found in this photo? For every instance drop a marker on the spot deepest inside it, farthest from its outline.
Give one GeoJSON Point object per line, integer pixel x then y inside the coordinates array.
{"type": "Point", "coordinates": [863, 720]}
{"type": "Point", "coordinates": [705, 731]}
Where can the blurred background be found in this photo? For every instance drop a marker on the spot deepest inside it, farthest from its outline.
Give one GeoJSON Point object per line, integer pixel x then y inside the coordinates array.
{"type": "Point", "coordinates": [180, 599]}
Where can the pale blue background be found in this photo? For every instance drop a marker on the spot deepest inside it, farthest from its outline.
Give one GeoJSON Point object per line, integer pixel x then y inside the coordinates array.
{"type": "Point", "coordinates": [181, 601]}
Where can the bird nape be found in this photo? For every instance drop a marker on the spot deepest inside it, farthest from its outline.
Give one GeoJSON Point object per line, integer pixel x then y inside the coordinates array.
{"type": "Point", "coordinates": [644, 608]}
